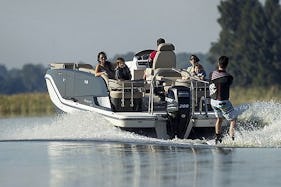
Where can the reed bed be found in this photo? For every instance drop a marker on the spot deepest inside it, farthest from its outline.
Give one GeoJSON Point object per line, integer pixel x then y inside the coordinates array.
{"type": "Point", "coordinates": [28, 104]}
{"type": "Point", "coordinates": [240, 95]}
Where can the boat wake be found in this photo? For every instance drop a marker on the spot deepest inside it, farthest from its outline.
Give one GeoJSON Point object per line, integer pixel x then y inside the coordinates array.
{"type": "Point", "coordinates": [259, 125]}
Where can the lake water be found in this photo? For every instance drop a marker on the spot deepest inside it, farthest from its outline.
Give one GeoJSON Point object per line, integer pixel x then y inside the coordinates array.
{"type": "Point", "coordinates": [81, 150]}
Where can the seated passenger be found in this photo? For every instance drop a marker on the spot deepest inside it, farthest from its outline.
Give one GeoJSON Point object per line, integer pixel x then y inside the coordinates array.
{"type": "Point", "coordinates": [199, 72]}
{"type": "Point", "coordinates": [122, 71]}
{"type": "Point", "coordinates": [104, 67]}
{"type": "Point", "coordinates": [193, 59]}
{"type": "Point", "coordinates": [153, 53]}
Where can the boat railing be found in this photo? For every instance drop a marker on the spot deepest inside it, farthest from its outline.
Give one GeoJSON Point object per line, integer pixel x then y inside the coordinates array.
{"type": "Point", "coordinates": [196, 90]}
{"type": "Point", "coordinates": [126, 86]}
{"type": "Point", "coordinates": [153, 83]}
{"type": "Point", "coordinates": [69, 65]}
{"type": "Point", "coordinates": [132, 86]}
{"type": "Point", "coordinates": [199, 91]}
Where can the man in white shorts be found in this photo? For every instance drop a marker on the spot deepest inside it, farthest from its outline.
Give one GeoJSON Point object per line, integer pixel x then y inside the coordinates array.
{"type": "Point", "coordinates": [220, 82]}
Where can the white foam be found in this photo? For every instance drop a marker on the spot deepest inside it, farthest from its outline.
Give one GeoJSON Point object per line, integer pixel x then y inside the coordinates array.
{"type": "Point", "coordinates": [259, 125]}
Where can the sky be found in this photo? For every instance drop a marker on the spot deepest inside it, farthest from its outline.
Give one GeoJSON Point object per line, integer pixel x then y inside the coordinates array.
{"type": "Point", "coordinates": [46, 31]}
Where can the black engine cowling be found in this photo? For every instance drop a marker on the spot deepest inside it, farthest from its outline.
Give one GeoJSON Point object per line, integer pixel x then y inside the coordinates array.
{"type": "Point", "coordinates": [178, 101]}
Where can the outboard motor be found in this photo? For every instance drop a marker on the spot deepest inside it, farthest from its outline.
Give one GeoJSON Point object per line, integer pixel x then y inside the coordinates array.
{"type": "Point", "coordinates": [179, 110]}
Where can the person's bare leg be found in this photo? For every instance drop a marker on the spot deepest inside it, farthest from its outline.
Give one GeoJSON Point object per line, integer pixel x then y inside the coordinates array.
{"type": "Point", "coordinates": [218, 125]}
{"type": "Point", "coordinates": [231, 128]}
{"type": "Point", "coordinates": [218, 130]}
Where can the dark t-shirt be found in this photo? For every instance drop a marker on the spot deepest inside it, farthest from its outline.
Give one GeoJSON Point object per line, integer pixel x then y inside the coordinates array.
{"type": "Point", "coordinates": [123, 73]}
{"type": "Point", "coordinates": [220, 82]}
{"type": "Point", "coordinates": [109, 69]}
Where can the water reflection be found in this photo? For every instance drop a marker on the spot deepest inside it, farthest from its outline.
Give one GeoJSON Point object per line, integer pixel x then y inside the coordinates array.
{"type": "Point", "coordinates": [114, 164]}
{"type": "Point", "coordinates": [222, 167]}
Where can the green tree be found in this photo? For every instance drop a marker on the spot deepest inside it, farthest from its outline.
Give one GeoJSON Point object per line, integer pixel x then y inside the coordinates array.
{"type": "Point", "coordinates": [3, 78]}
{"type": "Point", "coordinates": [33, 77]}
{"type": "Point", "coordinates": [272, 39]}
{"type": "Point", "coordinates": [29, 79]}
{"type": "Point", "coordinates": [229, 21]}
{"type": "Point", "coordinates": [251, 50]}
{"type": "Point", "coordinates": [250, 36]}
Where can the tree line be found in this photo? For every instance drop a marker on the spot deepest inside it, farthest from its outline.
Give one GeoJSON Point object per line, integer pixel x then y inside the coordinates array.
{"type": "Point", "coordinates": [251, 37]}
{"type": "Point", "coordinates": [26, 80]}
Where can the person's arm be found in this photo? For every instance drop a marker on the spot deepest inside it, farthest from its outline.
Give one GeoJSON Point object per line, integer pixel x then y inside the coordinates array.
{"type": "Point", "coordinates": [117, 74]}
{"type": "Point", "coordinates": [128, 72]}
{"type": "Point", "coordinates": [151, 57]}
{"type": "Point", "coordinates": [98, 73]}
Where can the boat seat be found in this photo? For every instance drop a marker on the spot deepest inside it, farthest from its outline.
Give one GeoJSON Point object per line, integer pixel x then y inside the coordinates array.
{"type": "Point", "coordinates": [92, 71]}
{"type": "Point", "coordinates": [127, 95]}
{"type": "Point", "coordinates": [167, 73]}
{"type": "Point", "coordinates": [62, 65]}
{"type": "Point", "coordinates": [87, 66]}
{"type": "Point", "coordinates": [118, 85]}
{"type": "Point", "coordinates": [187, 83]}
{"type": "Point", "coordinates": [138, 74]}
{"type": "Point", "coordinates": [56, 66]}
{"type": "Point", "coordinates": [165, 58]}
{"type": "Point", "coordinates": [70, 66]}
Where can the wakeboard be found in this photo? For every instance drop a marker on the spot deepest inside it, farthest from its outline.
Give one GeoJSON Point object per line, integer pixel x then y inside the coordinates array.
{"type": "Point", "coordinates": [212, 142]}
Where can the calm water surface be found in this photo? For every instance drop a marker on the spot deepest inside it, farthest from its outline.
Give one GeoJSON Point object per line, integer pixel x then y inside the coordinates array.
{"type": "Point", "coordinates": [83, 150]}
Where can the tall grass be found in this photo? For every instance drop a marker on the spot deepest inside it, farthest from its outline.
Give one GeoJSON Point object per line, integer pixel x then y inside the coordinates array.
{"type": "Point", "coordinates": [30, 104]}
{"type": "Point", "coordinates": [240, 95]}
